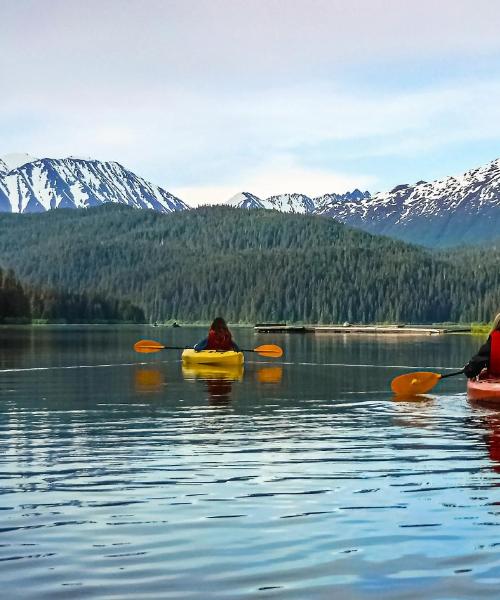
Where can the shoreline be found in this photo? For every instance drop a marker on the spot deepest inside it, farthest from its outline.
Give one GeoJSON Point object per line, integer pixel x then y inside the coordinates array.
{"type": "Point", "coordinates": [348, 329]}
{"type": "Point", "coordinates": [282, 328]}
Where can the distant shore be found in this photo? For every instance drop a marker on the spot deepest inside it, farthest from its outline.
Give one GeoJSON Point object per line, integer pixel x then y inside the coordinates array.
{"type": "Point", "coordinates": [375, 328]}
{"type": "Point", "coordinates": [350, 329]}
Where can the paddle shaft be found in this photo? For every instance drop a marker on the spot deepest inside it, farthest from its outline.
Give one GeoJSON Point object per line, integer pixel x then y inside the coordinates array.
{"type": "Point", "coordinates": [453, 374]}
{"type": "Point", "coordinates": [176, 348]}
{"type": "Point", "coordinates": [149, 346]}
{"type": "Point", "coordinates": [191, 348]}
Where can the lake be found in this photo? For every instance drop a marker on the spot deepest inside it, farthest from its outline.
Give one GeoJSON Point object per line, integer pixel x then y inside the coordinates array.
{"type": "Point", "coordinates": [124, 476]}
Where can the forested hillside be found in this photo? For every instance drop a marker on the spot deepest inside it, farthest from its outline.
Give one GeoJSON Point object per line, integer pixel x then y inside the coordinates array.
{"type": "Point", "coordinates": [246, 265]}
{"type": "Point", "coordinates": [21, 303]}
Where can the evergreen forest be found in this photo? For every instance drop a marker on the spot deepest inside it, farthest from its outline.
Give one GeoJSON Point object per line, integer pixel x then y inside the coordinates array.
{"type": "Point", "coordinates": [24, 304]}
{"type": "Point", "coordinates": [248, 265]}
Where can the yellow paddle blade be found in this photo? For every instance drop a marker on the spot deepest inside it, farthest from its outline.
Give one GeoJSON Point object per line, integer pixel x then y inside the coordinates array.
{"type": "Point", "coordinates": [410, 384]}
{"type": "Point", "coordinates": [269, 350]}
{"type": "Point", "coordinates": [147, 346]}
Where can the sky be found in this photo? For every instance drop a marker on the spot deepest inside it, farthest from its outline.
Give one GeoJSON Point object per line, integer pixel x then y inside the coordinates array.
{"type": "Point", "coordinates": [208, 98]}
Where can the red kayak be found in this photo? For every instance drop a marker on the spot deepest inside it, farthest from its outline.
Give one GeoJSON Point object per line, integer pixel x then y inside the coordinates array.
{"type": "Point", "coordinates": [484, 388]}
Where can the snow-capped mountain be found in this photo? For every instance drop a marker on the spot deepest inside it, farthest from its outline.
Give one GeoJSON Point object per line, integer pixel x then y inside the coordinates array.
{"type": "Point", "coordinates": [323, 203]}
{"type": "Point", "coordinates": [245, 200]}
{"type": "Point", "coordinates": [453, 210]}
{"type": "Point", "coordinates": [293, 203]}
{"type": "Point", "coordinates": [37, 185]}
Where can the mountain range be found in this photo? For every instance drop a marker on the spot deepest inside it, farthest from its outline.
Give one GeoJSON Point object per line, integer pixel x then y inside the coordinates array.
{"type": "Point", "coordinates": [462, 209]}
{"type": "Point", "coordinates": [295, 203]}
{"type": "Point", "coordinates": [454, 210]}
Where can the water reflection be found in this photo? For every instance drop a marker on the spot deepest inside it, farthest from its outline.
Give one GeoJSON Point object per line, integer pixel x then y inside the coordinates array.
{"type": "Point", "coordinates": [15, 344]}
{"type": "Point", "coordinates": [148, 380]}
{"type": "Point", "coordinates": [313, 483]}
{"type": "Point", "coordinates": [219, 391]}
{"type": "Point", "coordinates": [270, 374]}
{"type": "Point", "coordinates": [492, 439]}
{"type": "Point", "coordinates": [218, 380]}
{"type": "Point", "coordinates": [413, 412]}
{"type": "Point", "coordinates": [415, 398]}
{"type": "Point", "coordinates": [213, 372]}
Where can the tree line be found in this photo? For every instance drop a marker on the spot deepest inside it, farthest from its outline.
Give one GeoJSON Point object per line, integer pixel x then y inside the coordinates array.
{"type": "Point", "coordinates": [248, 265]}
{"type": "Point", "coordinates": [21, 303]}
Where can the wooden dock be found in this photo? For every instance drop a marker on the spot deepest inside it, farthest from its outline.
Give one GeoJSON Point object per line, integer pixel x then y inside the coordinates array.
{"type": "Point", "coordinates": [280, 328]}
{"type": "Point", "coordinates": [381, 330]}
{"type": "Point", "coordinates": [358, 329]}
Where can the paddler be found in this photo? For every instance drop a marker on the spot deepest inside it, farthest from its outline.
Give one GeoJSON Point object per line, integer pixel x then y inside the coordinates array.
{"type": "Point", "coordinates": [488, 356]}
{"type": "Point", "coordinates": [219, 338]}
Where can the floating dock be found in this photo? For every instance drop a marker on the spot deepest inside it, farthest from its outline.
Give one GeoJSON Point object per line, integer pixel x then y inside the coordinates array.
{"type": "Point", "coordinates": [280, 328]}
{"type": "Point", "coordinates": [389, 329]}
{"type": "Point", "coordinates": [359, 329]}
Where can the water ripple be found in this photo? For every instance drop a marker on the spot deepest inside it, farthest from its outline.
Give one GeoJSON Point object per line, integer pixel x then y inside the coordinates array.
{"type": "Point", "coordinates": [316, 486]}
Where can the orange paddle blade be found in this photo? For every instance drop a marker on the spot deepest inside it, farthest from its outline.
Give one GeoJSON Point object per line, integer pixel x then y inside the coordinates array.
{"type": "Point", "coordinates": [410, 384]}
{"type": "Point", "coordinates": [147, 346]}
{"type": "Point", "coordinates": [269, 350]}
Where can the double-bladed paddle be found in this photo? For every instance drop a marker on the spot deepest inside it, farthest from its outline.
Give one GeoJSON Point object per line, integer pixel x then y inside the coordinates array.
{"type": "Point", "coordinates": [419, 382]}
{"type": "Point", "coordinates": [148, 346]}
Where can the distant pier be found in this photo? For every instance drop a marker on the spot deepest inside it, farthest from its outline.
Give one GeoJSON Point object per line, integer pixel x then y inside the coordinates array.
{"type": "Point", "coordinates": [281, 328]}
{"type": "Point", "coordinates": [359, 329]}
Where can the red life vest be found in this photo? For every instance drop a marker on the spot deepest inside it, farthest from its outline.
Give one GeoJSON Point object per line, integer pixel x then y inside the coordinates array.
{"type": "Point", "coordinates": [494, 365]}
{"type": "Point", "coordinates": [219, 340]}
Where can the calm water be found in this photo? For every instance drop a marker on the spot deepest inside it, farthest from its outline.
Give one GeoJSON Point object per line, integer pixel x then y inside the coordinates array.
{"type": "Point", "coordinates": [297, 479]}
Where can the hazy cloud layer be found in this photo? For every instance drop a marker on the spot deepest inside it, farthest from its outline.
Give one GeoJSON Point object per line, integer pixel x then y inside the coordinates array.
{"type": "Point", "coordinates": [210, 98]}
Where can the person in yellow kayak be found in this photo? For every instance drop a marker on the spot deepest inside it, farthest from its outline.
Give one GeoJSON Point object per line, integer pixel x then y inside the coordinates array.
{"type": "Point", "coordinates": [219, 338]}
{"type": "Point", "coordinates": [488, 356]}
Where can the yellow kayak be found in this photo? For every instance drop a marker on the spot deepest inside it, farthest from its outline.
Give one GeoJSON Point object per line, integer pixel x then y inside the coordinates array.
{"type": "Point", "coordinates": [212, 357]}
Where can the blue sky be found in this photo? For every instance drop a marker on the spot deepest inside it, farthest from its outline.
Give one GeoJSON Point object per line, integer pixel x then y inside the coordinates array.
{"type": "Point", "coordinates": [209, 98]}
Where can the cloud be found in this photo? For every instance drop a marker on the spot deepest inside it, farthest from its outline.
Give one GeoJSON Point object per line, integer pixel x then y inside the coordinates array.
{"type": "Point", "coordinates": [222, 41]}
{"type": "Point", "coordinates": [206, 143]}
{"type": "Point", "coordinates": [211, 97]}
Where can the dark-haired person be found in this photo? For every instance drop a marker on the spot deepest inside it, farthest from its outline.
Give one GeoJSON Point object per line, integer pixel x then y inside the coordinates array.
{"type": "Point", "coordinates": [488, 356]}
{"type": "Point", "coordinates": [219, 338]}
